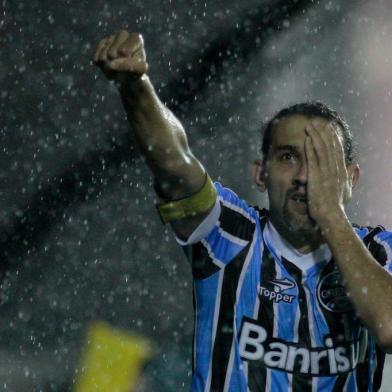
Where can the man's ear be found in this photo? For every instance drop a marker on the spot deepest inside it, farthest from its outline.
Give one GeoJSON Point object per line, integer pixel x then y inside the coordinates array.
{"type": "Point", "coordinates": [258, 174]}
{"type": "Point", "coordinates": [353, 172]}
{"type": "Point", "coordinates": [353, 175]}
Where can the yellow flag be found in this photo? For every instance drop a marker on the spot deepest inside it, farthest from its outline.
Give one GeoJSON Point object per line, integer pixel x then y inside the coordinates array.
{"type": "Point", "coordinates": [112, 360]}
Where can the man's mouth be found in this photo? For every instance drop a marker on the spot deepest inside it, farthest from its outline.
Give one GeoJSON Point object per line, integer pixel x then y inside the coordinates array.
{"type": "Point", "coordinates": [299, 198]}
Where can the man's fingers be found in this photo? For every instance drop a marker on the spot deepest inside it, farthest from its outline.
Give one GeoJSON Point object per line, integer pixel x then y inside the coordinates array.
{"type": "Point", "coordinates": [123, 64]}
{"type": "Point", "coordinates": [98, 50]}
{"type": "Point", "coordinates": [310, 153]}
{"type": "Point", "coordinates": [121, 53]}
{"type": "Point", "coordinates": [339, 149]}
{"type": "Point", "coordinates": [133, 44]}
{"type": "Point", "coordinates": [320, 127]}
{"type": "Point", "coordinates": [102, 55]}
{"type": "Point", "coordinates": [119, 39]}
{"type": "Point", "coordinates": [318, 144]}
{"type": "Point", "coordinates": [325, 135]}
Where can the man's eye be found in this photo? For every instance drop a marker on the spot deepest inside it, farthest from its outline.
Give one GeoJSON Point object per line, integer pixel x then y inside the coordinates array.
{"type": "Point", "coordinates": [288, 156]}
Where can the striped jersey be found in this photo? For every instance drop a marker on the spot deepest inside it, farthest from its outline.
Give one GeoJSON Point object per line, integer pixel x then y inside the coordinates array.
{"type": "Point", "coordinates": [268, 318]}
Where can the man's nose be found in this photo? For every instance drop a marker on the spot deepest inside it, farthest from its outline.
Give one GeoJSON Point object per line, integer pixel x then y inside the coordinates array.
{"type": "Point", "coordinates": [301, 177]}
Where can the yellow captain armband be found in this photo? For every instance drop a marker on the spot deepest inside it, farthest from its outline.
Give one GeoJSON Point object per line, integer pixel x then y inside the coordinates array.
{"type": "Point", "coordinates": [187, 207]}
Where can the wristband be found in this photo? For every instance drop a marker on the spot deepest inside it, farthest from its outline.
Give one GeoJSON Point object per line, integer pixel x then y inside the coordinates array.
{"type": "Point", "coordinates": [190, 206]}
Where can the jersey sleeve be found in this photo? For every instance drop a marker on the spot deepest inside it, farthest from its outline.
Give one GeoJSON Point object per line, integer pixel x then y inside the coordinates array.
{"type": "Point", "coordinates": [384, 240]}
{"type": "Point", "coordinates": [379, 242]}
{"type": "Point", "coordinates": [223, 234]}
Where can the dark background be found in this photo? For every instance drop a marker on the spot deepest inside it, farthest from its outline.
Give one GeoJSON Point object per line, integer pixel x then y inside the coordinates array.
{"type": "Point", "coordinates": [80, 239]}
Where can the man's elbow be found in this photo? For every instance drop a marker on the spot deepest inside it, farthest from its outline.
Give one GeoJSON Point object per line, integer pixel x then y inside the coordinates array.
{"type": "Point", "coordinates": [384, 338]}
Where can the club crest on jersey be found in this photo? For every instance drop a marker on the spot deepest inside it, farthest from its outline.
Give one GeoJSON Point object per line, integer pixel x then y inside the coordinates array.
{"type": "Point", "coordinates": [332, 295]}
{"type": "Point", "coordinates": [275, 288]}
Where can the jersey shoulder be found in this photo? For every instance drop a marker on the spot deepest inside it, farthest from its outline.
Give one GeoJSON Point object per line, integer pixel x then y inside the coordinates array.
{"type": "Point", "coordinates": [378, 240]}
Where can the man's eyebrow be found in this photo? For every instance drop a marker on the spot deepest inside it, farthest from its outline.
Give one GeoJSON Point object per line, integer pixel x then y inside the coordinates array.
{"type": "Point", "coordinates": [286, 147]}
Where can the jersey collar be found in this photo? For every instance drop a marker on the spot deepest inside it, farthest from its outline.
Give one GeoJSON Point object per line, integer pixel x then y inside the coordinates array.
{"type": "Point", "coordinates": [283, 249]}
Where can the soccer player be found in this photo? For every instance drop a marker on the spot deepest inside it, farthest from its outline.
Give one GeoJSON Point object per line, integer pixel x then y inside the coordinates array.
{"type": "Point", "coordinates": [293, 298]}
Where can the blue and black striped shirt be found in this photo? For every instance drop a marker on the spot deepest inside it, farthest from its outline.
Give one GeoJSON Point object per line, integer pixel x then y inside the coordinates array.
{"type": "Point", "coordinates": [268, 318]}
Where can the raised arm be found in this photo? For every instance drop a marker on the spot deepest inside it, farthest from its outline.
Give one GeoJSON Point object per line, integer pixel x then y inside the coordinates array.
{"type": "Point", "coordinates": [160, 135]}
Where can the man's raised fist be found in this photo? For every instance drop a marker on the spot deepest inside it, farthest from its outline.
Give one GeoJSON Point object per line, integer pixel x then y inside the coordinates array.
{"type": "Point", "coordinates": [121, 53]}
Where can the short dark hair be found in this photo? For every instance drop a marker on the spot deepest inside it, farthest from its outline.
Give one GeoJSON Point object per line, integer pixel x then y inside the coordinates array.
{"type": "Point", "coordinates": [309, 109]}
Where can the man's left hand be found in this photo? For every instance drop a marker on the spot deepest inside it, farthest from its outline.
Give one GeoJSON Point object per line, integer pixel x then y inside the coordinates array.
{"type": "Point", "coordinates": [328, 185]}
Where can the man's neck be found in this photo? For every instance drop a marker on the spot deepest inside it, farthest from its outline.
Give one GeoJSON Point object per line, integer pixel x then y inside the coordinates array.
{"type": "Point", "coordinates": [304, 241]}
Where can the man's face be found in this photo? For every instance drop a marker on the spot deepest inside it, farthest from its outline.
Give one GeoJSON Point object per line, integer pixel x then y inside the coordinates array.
{"type": "Point", "coordinates": [286, 175]}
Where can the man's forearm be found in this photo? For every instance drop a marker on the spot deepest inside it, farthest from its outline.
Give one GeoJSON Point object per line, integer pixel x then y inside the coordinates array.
{"type": "Point", "coordinates": [162, 140]}
{"type": "Point", "coordinates": [368, 284]}
{"type": "Point", "coordinates": [159, 134]}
